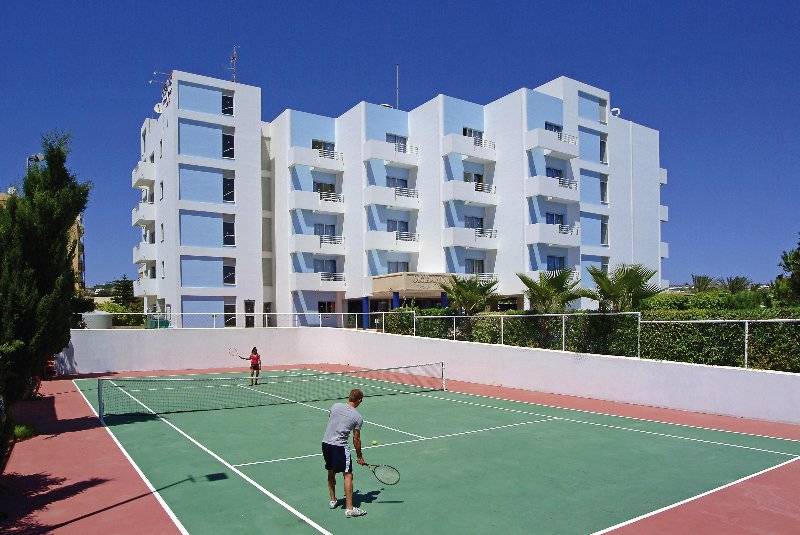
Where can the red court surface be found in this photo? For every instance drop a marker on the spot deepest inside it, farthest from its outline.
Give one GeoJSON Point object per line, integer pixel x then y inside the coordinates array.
{"type": "Point", "coordinates": [73, 478]}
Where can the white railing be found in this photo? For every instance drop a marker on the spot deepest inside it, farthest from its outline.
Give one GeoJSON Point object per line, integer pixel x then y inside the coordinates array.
{"type": "Point", "coordinates": [406, 192]}
{"type": "Point", "coordinates": [331, 197]}
{"type": "Point", "coordinates": [569, 229]}
{"type": "Point", "coordinates": [405, 148]}
{"type": "Point", "coordinates": [482, 142]}
{"type": "Point", "coordinates": [331, 277]}
{"type": "Point", "coordinates": [406, 236]}
{"type": "Point", "coordinates": [330, 239]}
{"type": "Point", "coordinates": [484, 277]}
{"type": "Point", "coordinates": [485, 233]}
{"type": "Point", "coordinates": [484, 187]}
{"type": "Point", "coordinates": [565, 182]}
{"type": "Point", "coordinates": [567, 138]}
{"type": "Point", "coordinates": [330, 154]}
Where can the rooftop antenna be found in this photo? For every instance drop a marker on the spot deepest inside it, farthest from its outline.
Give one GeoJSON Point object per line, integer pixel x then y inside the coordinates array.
{"type": "Point", "coordinates": [234, 59]}
{"type": "Point", "coordinates": [164, 79]}
{"type": "Point", "coordinates": [397, 86]}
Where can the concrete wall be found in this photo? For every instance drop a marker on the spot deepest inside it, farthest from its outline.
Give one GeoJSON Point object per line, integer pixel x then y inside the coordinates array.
{"type": "Point", "coordinates": [712, 389]}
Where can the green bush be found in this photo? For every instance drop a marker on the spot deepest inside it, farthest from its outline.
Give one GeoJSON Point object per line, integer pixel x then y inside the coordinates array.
{"type": "Point", "coordinates": [123, 316]}
{"type": "Point", "coordinates": [602, 334]}
{"type": "Point", "coordinates": [24, 431]}
{"type": "Point", "coordinates": [714, 300]}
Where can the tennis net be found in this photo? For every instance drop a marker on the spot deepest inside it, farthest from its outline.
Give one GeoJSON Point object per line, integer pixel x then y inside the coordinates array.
{"type": "Point", "coordinates": [161, 395]}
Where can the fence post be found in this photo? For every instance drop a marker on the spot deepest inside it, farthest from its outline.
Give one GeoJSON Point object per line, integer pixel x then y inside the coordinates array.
{"type": "Point", "coordinates": [214, 320]}
{"type": "Point", "coordinates": [502, 339]}
{"type": "Point", "coordinates": [563, 332]}
{"type": "Point", "coordinates": [746, 333]}
{"type": "Point", "coordinates": [320, 320]}
{"type": "Point", "coordinates": [383, 322]}
{"type": "Point", "coordinates": [414, 317]}
{"type": "Point", "coordinates": [454, 327]}
{"type": "Point", "coordinates": [638, 335]}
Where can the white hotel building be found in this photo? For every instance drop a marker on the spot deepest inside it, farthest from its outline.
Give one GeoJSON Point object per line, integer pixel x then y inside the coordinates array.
{"type": "Point", "coordinates": [308, 213]}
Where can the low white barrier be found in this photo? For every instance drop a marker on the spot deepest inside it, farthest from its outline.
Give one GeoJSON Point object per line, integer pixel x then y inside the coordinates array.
{"type": "Point", "coordinates": [712, 389]}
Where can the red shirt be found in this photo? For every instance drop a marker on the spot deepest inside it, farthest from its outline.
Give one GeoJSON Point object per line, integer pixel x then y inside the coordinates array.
{"type": "Point", "coordinates": [255, 361]}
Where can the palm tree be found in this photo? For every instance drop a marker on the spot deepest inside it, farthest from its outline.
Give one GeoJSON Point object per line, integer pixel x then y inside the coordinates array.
{"type": "Point", "coordinates": [470, 294]}
{"type": "Point", "coordinates": [622, 290]}
{"type": "Point", "coordinates": [703, 283]}
{"type": "Point", "coordinates": [737, 284]}
{"type": "Point", "coordinates": [552, 292]}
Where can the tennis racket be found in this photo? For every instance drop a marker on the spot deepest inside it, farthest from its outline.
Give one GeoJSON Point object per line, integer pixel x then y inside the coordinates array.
{"type": "Point", "coordinates": [388, 475]}
{"type": "Point", "coordinates": [234, 353]}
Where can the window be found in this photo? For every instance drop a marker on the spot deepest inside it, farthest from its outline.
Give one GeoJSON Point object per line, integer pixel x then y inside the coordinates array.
{"type": "Point", "coordinates": [228, 233]}
{"type": "Point", "coordinates": [400, 142]}
{"type": "Point", "coordinates": [603, 155]}
{"type": "Point", "coordinates": [227, 146]}
{"type": "Point", "coordinates": [322, 187]}
{"type": "Point", "coordinates": [604, 264]}
{"type": "Point", "coordinates": [473, 222]}
{"type": "Point", "coordinates": [474, 266]}
{"type": "Point", "coordinates": [473, 177]}
{"type": "Point", "coordinates": [604, 191]}
{"type": "Point", "coordinates": [323, 145]}
{"type": "Point", "coordinates": [160, 148]}
{"type": "Point", "coordinates": [162, 232]}
{"type": "Point", "coordinates": [163, 271]}
{"type": "Point", "coordinates": [471, 132]}
{"type": "Point", "coordinates": [604, 231]}
{"type": "Point", "coordinates": [326, 307]}
{"type": "Point", "coordinates": [160, 191]}
{"type": "Point", "coordinates": [151, 272]}
{"type": "Point", "coordinates": [552, 172]}
{"type": "Point", "coordinates": [552, 127]}
{"type": "Point", "coordinates": [227, 104]}
{"type": "Point", "coordinates": [552, 218]}
{"type": "Point", "coordinates": [249, 310]}
{"type": "Point", "coordinates": [229, 275]}
{"type": "Point", "coordinates": [555, 262]}
{"type": "Point", "coordinates": [397, 267]}
{"type": "Point", "coordinates": [269, 319]}
{"type": "Point", "coordinates": [229, 314]}
{"type": "Point", "coordinates": [322, 265]}
{"type": "Point", "coordinates": [228, 194]}
{"type": "Point", "coordinates": [322, 229]}
{"type": "Point", "coordinates": [394, 225]}
{"type": "Point", "coordinates": [395, 182]}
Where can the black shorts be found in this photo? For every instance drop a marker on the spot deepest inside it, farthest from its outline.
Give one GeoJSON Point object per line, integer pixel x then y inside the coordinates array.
{"type": "Point", "coordinates": [337, 458]}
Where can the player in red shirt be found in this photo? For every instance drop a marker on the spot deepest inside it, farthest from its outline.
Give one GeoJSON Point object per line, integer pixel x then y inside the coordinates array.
{"type": "Point", "coordinates": [255, 365]}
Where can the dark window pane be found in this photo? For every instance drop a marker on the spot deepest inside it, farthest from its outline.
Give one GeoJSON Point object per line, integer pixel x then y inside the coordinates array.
{"type": "Point", "coordinates": [227, 104]}
{"type": "Point", "coordinates": [227, 146]}
{"type": "Point", "coordinates": [227, 190]}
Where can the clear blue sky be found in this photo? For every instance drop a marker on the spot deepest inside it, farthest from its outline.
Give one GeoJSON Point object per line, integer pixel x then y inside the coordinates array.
{"type": "Point", "coordinates": [719, 80]}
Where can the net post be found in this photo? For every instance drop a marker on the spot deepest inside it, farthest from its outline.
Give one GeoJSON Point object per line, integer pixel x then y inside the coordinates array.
{"type": "Point", "coordinates": [320, 320]}
{"type": "Point", "coordinates": [563, 332]}
{"type": "Point", "coordinates": [414, 331]}
{"type": "Point", "coordinates": [746, 333]}
{"type": "Point", "coordinates": [454, 328]}
{"type": "Point", "coordinates": [100, 404]}
{"type": "Point", "coordinates": [383, 322]}
{"type": "Point", "coordinates": [638, 335]}
{"type": "Point", "coordinates": [444, 380]}
{"type": "Point", "coordinates": [502, 342]}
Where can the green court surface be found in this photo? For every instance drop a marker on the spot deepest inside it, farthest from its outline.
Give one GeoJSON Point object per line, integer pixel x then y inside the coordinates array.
{"type": "Point", "coordinates": [468, 464]}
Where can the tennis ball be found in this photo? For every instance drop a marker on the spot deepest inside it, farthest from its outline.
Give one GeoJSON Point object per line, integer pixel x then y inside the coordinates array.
{"type": "Point", "coordinates": [374, 442]}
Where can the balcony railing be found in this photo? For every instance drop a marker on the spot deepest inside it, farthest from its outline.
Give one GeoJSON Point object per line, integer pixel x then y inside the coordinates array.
{"type": "Point", "coordinates": [331, 239]}
{"type": "Point", "coordinates": [485, 188]}
{"type": "Point", "coordinates": [481, 142]}
{"type": "Point", "coordinates": [484, 277]}
{"type": "Point", "coordinates": [406, 236]}
{"type": "Point", "coordinates": [331, 277]}
{"type": "Point", "coordinates": [330, 197]}
{"type": "Point", "coordinates": [569, 229]}
{"type": "Point", "coordinates": [485, 233]}
{"type": "Point", "coordinates": [567, 138]}
{"type": "Point", "coordinates": [331, 154]}
{"type": "Point", "coordinates": [406, 192]}
{"type": "Point", "coordinates": [405, 148]}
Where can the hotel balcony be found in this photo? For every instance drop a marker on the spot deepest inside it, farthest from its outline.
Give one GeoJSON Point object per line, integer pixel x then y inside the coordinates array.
{"type": "Point", "coordinates": [398, 154]}
{"type": "Point", "coordinates": [473, 238]}
{"type": "Point", "coordinates": [317, 201]}
{"type": "Point", "coordinates": [663, 248]}
{"type": "Point", "coordinates": [556, 144]}
{"type": "Point", "coordinates": [483, 277]}
{"type": "Point", "coordinates": [663, 213]}
{"type": "Point", "coordinates": [143, 175]}
{"type": "Point", "coordinates": [318, 282]}
{"type": "Point", "coordinates": [472, 147]}
{"type": "Point", "coordinates": [145, 286]}
{"type": "Point", "coordinates": [397, 198]}
{"type": "Point", "coordinates": [324, 160]}
{"type": "Point", "coordinates": [476, 193]}
{"type": "Point", "coordinates": [403, 242]}
{"type": "Point", "coordinates": [144, 252]}
{"type": "Point", "coordinates": [560, 189]}
{"type": "Point", "coordinates": [560, 235]}
{"type": "Point", "coordinates": [312, 243]}
{"type": "Point", "coordinates": [143, 214]}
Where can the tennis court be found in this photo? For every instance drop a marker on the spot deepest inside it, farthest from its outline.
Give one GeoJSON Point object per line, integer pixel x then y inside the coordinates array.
{"type": "Point", "coordinates": [228, 457]}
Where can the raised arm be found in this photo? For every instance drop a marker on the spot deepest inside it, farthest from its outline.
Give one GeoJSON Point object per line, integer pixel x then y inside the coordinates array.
{"type": "Point", "coordinates": [357, 446]}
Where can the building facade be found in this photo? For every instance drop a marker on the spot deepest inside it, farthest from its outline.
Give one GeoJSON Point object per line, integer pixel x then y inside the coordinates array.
{"type": "Point", "coordinates": [314, 214]}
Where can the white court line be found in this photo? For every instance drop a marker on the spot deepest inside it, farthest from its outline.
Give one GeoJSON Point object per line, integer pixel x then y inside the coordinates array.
{"type": "Point", "coordinates": [326, 410]}
{"type": "Point", "coordinates": [235, 470]}
{"type": "Point", "coordinates": [138, 470]}
{"type": "Point", "coordinates": [698, 496]}
{"type": "Point", "coordinates": [421, 439]}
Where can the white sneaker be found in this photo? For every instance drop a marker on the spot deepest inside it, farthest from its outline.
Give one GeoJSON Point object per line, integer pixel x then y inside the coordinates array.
{"type": "Point", "coordinates": [334, 503]}
{"type": "Point", "coordinates": [355, 511]}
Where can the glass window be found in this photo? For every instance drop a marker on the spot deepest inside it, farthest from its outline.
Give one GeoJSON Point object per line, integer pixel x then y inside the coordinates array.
{"type": "Point", "coordinates": [552, 127]}
{"type": "Point", "coordinates": [603, 191]}
{"type": "Point", "coordinates": [555, 262]}
{"type": "Point", "coordinates": [473, 222]}
{"type": "Point", "coordinates": [227, 104]}
{"type": "Point", "coordinates": [229, 314]}
{"type": "Point", "coordinates": [473, 177]}
{"type": "Point", "coordinates": [326, 307]}
{"type": "Point", "coordinates": [395, 182]}
{"type": "Point", "coordinates": [227, 146]}
{"type": "Point", "coordinates": [161, 190]}
{"type": "Point", "coordinates": [552, 218]}
{"type": "Point", "coordinates": [398, 267]}
{"type": "Point", "coordinates": [321, 229]}
{"type": "Point", "coordinates": [228, 233]}
{"type": "Point", "coordinates": [322, 265]}
{"type": "Point", "coordinates": [471, 132]}
{"type": "Point", "coordinates": [229, 275]}
{"type": "Point", "coordinates": [249, 308]}
{"type": "Point", "coordinates": [552, 172]}
{"type": "Point", "coordinates": [604, 231]}
{"type": "Point", "coordinates": [474, 266]}
{"type": "Point", "coordinates": [162, 232]}
{"type": "Point", "coordinates": [394, 225]}
{"type": "Point", "coordinates": [227, 189]}
{"type": "Point", "coordinates": [400, 142]}
{"type": "Point", "coordinates": [323, 145]}
{"type": "Point", "coordinates": [322, 187]}
{"type": "Point", "coordinates": [603, 155]}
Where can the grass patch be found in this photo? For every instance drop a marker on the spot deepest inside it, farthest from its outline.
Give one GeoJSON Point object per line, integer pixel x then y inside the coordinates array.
{"type": "Point", "coordinates": [23, 431]}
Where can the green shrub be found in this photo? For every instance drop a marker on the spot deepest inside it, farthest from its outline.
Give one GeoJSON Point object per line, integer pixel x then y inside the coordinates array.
{"type": "Point", "coordinates": [24, 431]}
{"type": "Point", "coordinates": [714, 300]}
{"type": "Point", "coordinates": [602, 334]}
{"type": "Point", "coordinates": [123, 316]}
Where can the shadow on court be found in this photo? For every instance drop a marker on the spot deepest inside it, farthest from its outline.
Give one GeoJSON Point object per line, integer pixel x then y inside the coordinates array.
{"type": "Point", "coordinates": [370, 497]}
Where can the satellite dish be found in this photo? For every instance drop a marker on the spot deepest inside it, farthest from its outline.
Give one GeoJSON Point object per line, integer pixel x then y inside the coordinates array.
{"type": "Point", "coordinates": [616, 112]}
{"type": "Point", "coordinates": [158, 108]}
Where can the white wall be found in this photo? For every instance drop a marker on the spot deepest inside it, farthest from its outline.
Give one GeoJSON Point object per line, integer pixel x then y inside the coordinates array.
{"type": "Point", "coordinates": [711, 389]}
